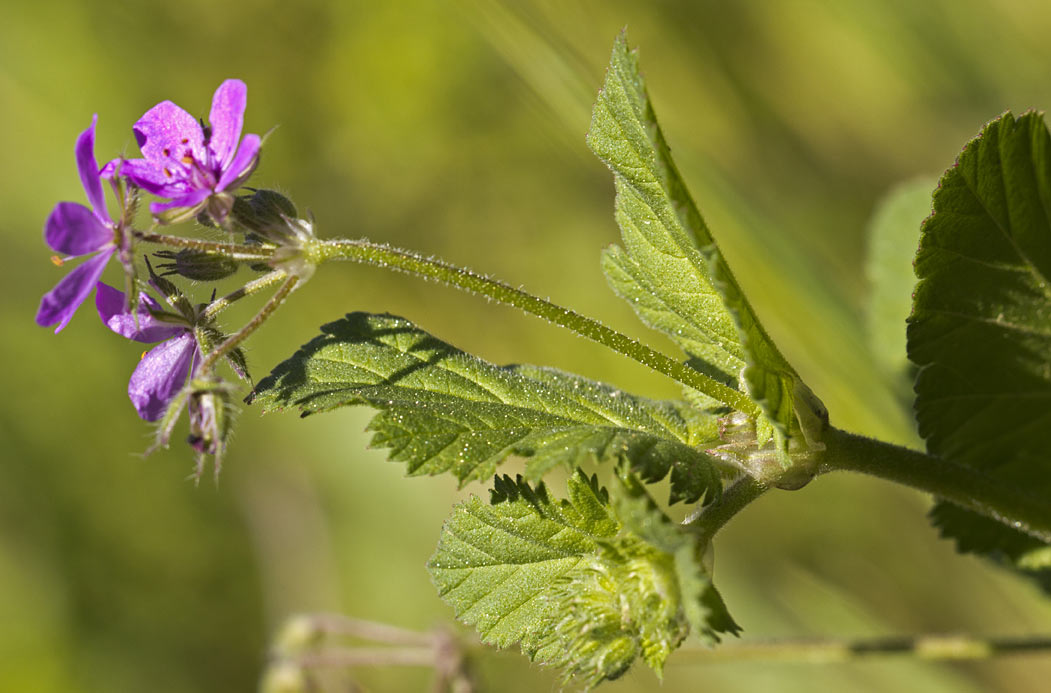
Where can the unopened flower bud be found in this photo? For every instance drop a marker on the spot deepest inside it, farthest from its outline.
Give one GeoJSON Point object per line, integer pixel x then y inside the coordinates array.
{"type": "Point", "coordinates": [266, 213]}
{"type": "Point", "coordinates": [196, 264]}
{"type": "Point", "coordinates": [209, 423]}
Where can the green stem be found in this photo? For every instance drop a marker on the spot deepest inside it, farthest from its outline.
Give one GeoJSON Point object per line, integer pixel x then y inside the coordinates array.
{"type": "Point", "coordinates": [929, 647]}
{"type": "Point", "coordinates": [711, 518]}
{"type": "Point", "coordinates": [236, 338]}
{"type": "Point", "coordinates": [243, 253]}
{"type": "Point", "coordinates": [220, 304]}
{"type": "Point", "coordinates": [384, 256]}
{"type": "Point", "coordinates": [964, 486]}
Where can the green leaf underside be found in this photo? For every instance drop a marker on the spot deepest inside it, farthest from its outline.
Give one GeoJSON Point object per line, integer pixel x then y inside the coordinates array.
{"type": "Point", "coordinates": [568, 582]}
{"type": "Point", "coordinates": [445, 411]}
{"type": "Point", "coordinates": [670, 269]}
{"type": "Point", "coordinates": [981, 326]}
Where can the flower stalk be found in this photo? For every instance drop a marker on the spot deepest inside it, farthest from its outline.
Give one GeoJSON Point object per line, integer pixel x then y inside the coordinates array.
{"type": "Point", "coordinates": [252, 287]}
{"type": "Point", "coordinates": [233, 251]}
{"type": "Point", "coordinates": [366, 252]}
{"type": "Point", "coordinates": [234, 340]}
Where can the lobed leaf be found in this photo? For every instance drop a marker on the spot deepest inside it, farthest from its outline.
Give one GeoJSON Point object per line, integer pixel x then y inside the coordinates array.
{"type": "Point", "coordinates": [670, 268]}
{"type": "Point", "coordinates": [569, 581]}
{"type": "Point", "coordinates": [445, 411]}
{"type": "Point", "coordinates": [980, 331]}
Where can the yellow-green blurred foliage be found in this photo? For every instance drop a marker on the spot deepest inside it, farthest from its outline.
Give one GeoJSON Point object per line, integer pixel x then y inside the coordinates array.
{"type": "Point", "coordinates": [457, 129]}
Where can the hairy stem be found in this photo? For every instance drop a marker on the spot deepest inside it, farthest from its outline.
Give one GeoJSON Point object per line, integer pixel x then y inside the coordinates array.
{"type": "Point", "coordinates": [384, 256]}
{"type": "Point", "coordinates": [711, 518]}
{"type": "Point", "coordinates": [243, 253]}
{"type": "Point", "coordinates": [930, 647]}
{"type": "Point", "coordinates": [965, 486]}
{"type": "Point", "coordinates": [236, 338]}
{"type": "Point", "coordinates": [220, 304]}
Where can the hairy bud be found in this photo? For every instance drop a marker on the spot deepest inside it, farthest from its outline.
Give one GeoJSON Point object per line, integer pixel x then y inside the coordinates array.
{"type": "Point", "coordinates": [196, 264]}
{"type": "Point", "coordinates": [266, 213]}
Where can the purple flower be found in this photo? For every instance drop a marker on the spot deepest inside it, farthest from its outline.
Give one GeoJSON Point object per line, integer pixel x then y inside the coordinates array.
{"type": "Point", "coordinates": [75, 230]}
{"type": "Point", "coordinates": [163, 370]}
{"type": "Point", "coordinates": [188, 164]}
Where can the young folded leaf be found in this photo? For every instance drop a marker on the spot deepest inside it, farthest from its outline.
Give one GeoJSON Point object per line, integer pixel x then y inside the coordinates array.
{"type": "Point", "coordinates": [981, 327]}
{"type": "Point", "coordinates": [443, 410]}
{"type": "Point", "coordinates": [671, 271]}
{"type": "Point", "coordinates": [570, 582]}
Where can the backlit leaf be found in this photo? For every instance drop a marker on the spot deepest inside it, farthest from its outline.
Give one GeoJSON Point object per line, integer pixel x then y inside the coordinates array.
{"type": "Point", "coordinates": [670, 268]}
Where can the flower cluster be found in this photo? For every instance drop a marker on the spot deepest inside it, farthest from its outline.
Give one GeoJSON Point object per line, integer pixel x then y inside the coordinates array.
{"type": "Point", "coordinates": [195, 169]}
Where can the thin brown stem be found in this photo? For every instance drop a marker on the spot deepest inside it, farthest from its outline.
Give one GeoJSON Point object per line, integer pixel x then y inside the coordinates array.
{"type": "Point", "coordinates": [337, 624]}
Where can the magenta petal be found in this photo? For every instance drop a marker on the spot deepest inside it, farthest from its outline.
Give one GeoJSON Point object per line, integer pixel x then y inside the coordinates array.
{"type": "Point", "coordinates": [89, 171]}
{"type": "Point", "coordinates": [243, 164]}
{"type": "Point", "coordinates": [160, 375]}
{"type": "Point", "coordinates": [74, 229]}
{"type": "Point", "coordinates": [113, 309]}
{"type": "Point", "coordinates": [191, 200]}
{"type": "Point", "coordinates": [167, 133]}
{"type": "Point", "coordinates": [226, 120]}
{"type": "Point", "coordinates": [59, 304]}
{"type": "Point", "coordinates": [110, 169]}
{"type": "Point", "coordinates": [160, 179]}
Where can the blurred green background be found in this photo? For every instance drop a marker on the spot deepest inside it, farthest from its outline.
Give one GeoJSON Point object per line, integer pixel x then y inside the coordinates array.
{"type": "Point", "coordinates": [457, 129]}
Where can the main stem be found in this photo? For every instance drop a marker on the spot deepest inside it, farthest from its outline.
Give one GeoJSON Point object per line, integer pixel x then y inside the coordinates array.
{"type": "Point", "coordinates": [964, 486]}
{"type": "Point", "coordinates": [384, 256]}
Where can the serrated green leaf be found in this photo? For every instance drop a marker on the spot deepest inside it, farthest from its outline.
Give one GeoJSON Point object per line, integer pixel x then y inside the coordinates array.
{"type": "Point", "coordinates": [702, 606]}
{"type": "Point", "coordinates": [980, 331]}
{"type": "Point", "coordinates": [567, 580]}
{"type": "Point", "coordinates": [671, 270]}
{"type": "Point", "coordinates": [893, 239]}
{"type": "Point", "coordinates": [443, 410]}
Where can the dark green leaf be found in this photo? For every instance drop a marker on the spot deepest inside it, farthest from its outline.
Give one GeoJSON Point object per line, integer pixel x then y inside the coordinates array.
{"type": "Point", "coordinates": [444, 410]}
{"type": "Point", "coordinates": [981, 325]}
